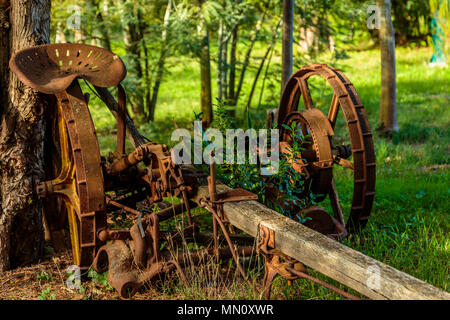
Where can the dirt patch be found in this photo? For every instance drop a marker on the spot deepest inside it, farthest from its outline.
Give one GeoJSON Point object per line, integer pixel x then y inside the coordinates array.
{"type": "Point", "coordinates": [46, 280]}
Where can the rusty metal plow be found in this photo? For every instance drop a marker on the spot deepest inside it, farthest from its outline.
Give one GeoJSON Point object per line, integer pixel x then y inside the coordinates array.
{"type": "Point", "coordinates": [93, 188]}
{"type": "Point", "coordinates": [90, 189]}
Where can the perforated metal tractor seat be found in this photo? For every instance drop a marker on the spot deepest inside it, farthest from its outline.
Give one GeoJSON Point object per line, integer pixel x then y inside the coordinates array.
{"type": "Point", "coordinates": [51, 68]}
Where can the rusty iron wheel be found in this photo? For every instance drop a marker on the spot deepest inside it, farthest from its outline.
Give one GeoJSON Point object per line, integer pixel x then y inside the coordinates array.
{"type": "Point", "coordinates": [70, 184]}
{"type": "Point", "coordinates": [55, 69]}
{"type": "Point", "coordinates": [64, 185]}
{"type": "Point", "coordinates": [322, 156]}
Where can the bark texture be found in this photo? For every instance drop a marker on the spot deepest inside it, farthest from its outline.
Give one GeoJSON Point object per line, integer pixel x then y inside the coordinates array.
{"type": "Point", "coordinates": [22, 131]}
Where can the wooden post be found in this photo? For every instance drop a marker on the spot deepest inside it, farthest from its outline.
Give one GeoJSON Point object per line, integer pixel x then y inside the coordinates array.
{"type": "Point", "coordinates": [288, 28]}
{"type": "Point", "coordinates": [368, 276]}
{"type": "Point", "coordinates": [388, 103]}
{"type": "Point", "coordinates": [205, 73]}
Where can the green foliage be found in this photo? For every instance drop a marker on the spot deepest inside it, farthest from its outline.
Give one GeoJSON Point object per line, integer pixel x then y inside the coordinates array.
{"type": "Point", "coordinates": [100, 278]}
{"type": "Point", "coordinates": [46, 295]}
{"type": "Point", "coordinates": [45, 276]}
{"type": "Point", "coordinates": [282, 191]}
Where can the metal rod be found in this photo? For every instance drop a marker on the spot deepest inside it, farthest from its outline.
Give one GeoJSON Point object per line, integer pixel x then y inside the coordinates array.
{"type": "Point", "coordinates": [322, 283]}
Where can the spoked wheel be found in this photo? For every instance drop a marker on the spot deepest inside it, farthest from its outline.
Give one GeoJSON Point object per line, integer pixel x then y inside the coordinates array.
{"type": "Point", "coordinates": [352, 151]}
{"type": "Point", "coordinates": [68, 177]}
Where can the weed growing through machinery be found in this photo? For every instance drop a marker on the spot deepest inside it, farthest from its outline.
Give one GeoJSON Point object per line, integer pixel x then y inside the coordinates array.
{"type": "Point", "coordinates": [289, 182]}
{"type": "Point", "coordinates": [100, 278]}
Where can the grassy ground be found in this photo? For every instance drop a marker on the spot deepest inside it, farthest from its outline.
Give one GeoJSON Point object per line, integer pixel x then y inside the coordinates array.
{"type": "Point", "coordinates": [410, 221]}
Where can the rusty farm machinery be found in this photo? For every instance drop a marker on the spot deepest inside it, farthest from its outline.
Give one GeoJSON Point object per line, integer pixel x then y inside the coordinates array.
{"type": "Point", "coordinates": [86, 188]}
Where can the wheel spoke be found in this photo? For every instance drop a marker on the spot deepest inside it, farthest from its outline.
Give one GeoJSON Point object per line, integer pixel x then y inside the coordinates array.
{"type": "Point", "coordinates": [343, 163]}
{"type": "Point", "coordinates": [334, 110]}
{"type": "Point", "coordinates": [74, 236]}
{"type": "Point", "coordinates": [64, 149]}
{"type": "Point", "coordinates": [306, 94]}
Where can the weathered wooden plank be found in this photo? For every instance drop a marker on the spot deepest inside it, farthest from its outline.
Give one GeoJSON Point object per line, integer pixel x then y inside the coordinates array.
{"type": "Point", "coordinates": [325, 255]}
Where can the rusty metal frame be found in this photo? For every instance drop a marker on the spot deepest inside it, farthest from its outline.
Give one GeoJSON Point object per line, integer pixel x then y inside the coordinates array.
{"type": "Point", "coordinates": [277, 263]}
{"type": "Point", "coordinates": [88, 182]}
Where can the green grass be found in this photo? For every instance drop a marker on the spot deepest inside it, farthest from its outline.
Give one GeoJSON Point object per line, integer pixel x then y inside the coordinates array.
{"type": "Point", "coordinates": [410, 219]}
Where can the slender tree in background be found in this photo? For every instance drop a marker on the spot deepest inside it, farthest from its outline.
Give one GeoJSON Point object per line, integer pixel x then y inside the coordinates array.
{"type": "Point", "coordinates": [132, 41]}
{"type": "Point", "coordinates": [248, 53]}
{"type": "Point", "coordinates": [205, 74]}
{"type": "Point", "coordinates": [231, 93]}
{"type": "Point", "coordinates": [22, 131]}
{"type": "Point", "coordinates": [288, 29]}
{"type": "Point", "coordinates": [388, 103]}
{"type": "Point", "coordinates": [104, 39]}
{"type": "Point", "coordinates": [230, 15]}
{"type": "Point", "coordinates": [223, 39]}
{"type": "Point", "coordinates": [161, 62]}
{"type": "Point", "coordinates": [261, 65]}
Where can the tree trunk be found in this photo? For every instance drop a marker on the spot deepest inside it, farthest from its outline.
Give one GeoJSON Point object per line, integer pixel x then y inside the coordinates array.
{"type": "Point", "coordinates": [219, 60]}
{"type": "Point", "coordinates": [231, 96]}
{"type": "Point", "coordinates": [105, 41]}
{"type": "Point", "coordinates": [133, 51]}
{"type": "Point", "coordinates": [22, 131]}
{"type": "Point", "coordinates": [269, 48]}
{"type": "Point", "coordinates": [222, 53]}
{"type": "Point", "coordinates": [288, 28]}
{"type": "Point", "coordinates": [247, 55]}
{"type": "Point", "coordinates": [4, 55]}
{"type": "Point", "coordinates": [205, 75]}
{"type": "Point", "coordinates": [225, 67]}
{"type": "Point", "coordinates": [161, 63]}
{"type": "Point", "coordinates": [388, 104]}
{"type": "Point", "coordinates": [146, 81]}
